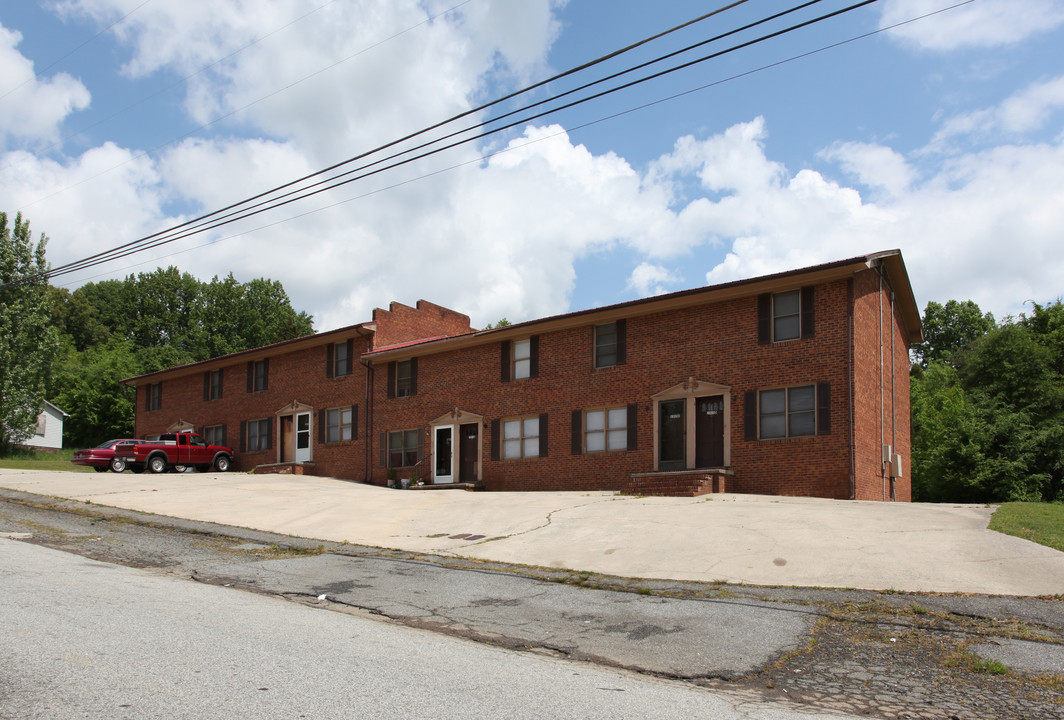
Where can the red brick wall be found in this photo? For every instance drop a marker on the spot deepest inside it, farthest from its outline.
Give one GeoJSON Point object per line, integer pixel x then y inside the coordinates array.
{"type": "Point", "coordinates": [711, 343]}
{"type": "Point", "coordinates": [402, 323]}
{"type": "Point", "coordinates": [293, 377]}
{"type": "Point", "coordinates": [881, 389]}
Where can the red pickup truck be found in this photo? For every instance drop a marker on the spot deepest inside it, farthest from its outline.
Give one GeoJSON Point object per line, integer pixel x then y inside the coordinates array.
{"type": "Point", "coordinates": [176, 451]}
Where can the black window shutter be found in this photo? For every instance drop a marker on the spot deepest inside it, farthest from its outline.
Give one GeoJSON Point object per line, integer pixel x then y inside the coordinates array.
{"type": "Point", "coordinates": [633, 435]}
{"type": "Point", "coordinates": [391, 380]}
{"type": "Point", "coordinates": [543, 435]}
{"type": "Point", "coordinates": [269, 433]}
{"type": "Point", "coordinates": [147, 396]}
{"type": "Point", "coordinates": [750, 414]}
{"type": "Point", "coordinates": [321, 426]}
{"type": "Point", "coordinates": [221, 383]}
{"type": "Point", "coordinates": [413, 378]}
{"type": "Point", "coordinates": [243, 436]}
{"type": "Point", "coordinates": [329, 360]}
{"type": "Point", "coordinates": [495, 440]}
{"type": "Point", "coordinates": [823, 408]}
{"type": "Point", "coordinates": [578, 429]}
{"type": "Point", "coordinates": [384, 450]}
{"type": "Point", "coordinates": [354, 422]}
{"type": "Point", "coordinates": [350, 355]}
{"type": "Point", "coordinates": [808, 305]}
{"type": "Point", "coordinates": [266, 374]}
{"type": "Point", "coordinates": [420, 435]}
{"type": "Point", "coordinates": [225, 440]}
{"type": "Point", "coordinates": [764, 318]}
{"type": "Point", "coordinates": [504, 357]}
{"type": "Point", "coordinates": [251, 376]}
{"type": "Point", "coordinates": [533, 354]}
{"type": "Point", "coordinates": [622, 339]}
{"type": "Point", "coordinates": [159, 406]}
{"type": "Point", "coordinates": [207, 385]}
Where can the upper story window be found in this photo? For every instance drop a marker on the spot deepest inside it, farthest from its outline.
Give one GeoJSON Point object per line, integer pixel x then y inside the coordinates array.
{"type": "Point", "coordinates": [520, 359]}
{"type": "Point", "coordinates": [404, 378]}
{"type": "Point", "coordinates": [610, 344]}
{"type": "Point", "coordinates": [339, 358]}
{"type": "Point", "coordinates": [786, 315]}
{"type": "Point", "coordinates": [258, 375]}
{"type": "Point", "coordinates": [153, 396]}
{"type": "Point", "coordinates": [212, 385]}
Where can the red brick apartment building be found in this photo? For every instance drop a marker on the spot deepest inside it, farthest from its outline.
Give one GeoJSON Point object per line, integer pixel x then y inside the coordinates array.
{"type": "Point", "coordinates": [792, 384]}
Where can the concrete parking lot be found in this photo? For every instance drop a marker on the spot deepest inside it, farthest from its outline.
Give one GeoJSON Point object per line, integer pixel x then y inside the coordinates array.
{"type": "Point", "coordinates": [732, 538]}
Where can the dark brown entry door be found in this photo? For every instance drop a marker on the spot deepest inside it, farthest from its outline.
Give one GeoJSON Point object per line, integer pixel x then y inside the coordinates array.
{"type": "Point", "coordinates": [709, 431]}
{"type": "Point", "coordinates": [672, 442]}
{"type": "Point", "coordinates": [467, 453]}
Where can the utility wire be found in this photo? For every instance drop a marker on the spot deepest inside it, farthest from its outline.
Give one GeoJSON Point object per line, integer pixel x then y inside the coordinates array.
{"type": "Point", "coordinates": [205, 223]}
{"type": "Point", "coordinates": [573, 129]}
{"type": "Point", "coordinates": [633, 46]}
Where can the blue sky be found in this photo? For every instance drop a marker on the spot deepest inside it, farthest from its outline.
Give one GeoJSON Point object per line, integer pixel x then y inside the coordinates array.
{"type": "Point", "coordinates": [943, 137]}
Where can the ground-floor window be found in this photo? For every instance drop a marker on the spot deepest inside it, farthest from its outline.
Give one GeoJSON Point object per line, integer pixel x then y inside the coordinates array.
{"type": "Point", "coordinates": [403, 448]}
{"type": "Point", "coordinates": [338, 425]}
{"type": "Point", "coordinates": [258, 435]}
{"type": "Point", "coordinates": [787, 412]}
{"type": "Point", "coordinates": [520, 438]}
{"type": "Point", "coordinates": [214, 435]}
{"type": "Point", "coordinates": [606, 430]}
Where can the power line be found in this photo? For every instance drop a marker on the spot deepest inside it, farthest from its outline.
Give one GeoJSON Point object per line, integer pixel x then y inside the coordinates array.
{"type": "Point", "coordinates": [569, 130]}
{"type": "Point", "coordinates": [151, 240]}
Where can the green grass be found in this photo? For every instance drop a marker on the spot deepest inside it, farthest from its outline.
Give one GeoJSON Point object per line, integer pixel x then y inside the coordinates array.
{"type": "Point", "coordinates": [1042, 523]}
{"type": "Point", "coordinates": [25, 459]}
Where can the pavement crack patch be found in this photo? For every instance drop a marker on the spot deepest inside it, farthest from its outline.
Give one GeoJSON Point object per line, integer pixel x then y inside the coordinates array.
{"type": "Point", "coordinates": [550, 519]}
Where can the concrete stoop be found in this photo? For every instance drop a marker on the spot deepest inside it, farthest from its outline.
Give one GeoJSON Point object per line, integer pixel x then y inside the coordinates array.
{"type": "Point", "coordinates": [289, 468]}
{"type": "Point", "coordinates": [679, 483]}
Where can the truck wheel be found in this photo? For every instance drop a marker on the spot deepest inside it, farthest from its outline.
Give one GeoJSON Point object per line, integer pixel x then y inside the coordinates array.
{"type": "Point", "coordinates": [221, 463]}
{"type": "Point", "coordinates": [118, 465]}
{"type": "Point", "coordinates": [157, 464]}
{"type": "Point", "coordinates": [180, 468]}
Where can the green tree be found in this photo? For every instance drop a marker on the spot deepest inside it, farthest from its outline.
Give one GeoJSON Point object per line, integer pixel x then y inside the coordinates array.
{"type": "Point", "coordinates": [87, 386]}
{"type": "Point", "coordinates": [28, 339]}
{"type": "Point", "coordinates": [949, 329]}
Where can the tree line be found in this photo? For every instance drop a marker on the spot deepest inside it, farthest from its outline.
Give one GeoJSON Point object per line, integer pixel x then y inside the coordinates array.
{"type": "Point", "coordinates": [988, 405]}
{"type": "Point", "coordinates": [73, 348]}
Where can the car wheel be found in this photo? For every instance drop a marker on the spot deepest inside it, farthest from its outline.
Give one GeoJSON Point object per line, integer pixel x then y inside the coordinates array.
{"type": "Point", "coordinates": [180, 468]}
{"type": "Point", "coordinates": [97, 468]}
{"type": "Point", "coordinates": [221, 463]}
{"type": "Point", "coordinates": [118, 465]}
{"type": "Point", "coordinates": [157, 464]}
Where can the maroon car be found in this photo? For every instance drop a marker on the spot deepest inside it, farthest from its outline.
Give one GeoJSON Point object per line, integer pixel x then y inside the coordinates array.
{"type": "Point", "coordinates": [102, 457]}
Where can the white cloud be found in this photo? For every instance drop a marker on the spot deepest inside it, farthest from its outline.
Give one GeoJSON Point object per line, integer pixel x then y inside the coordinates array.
{"type": "Point", "coordinates": [1025, 111]}
{"type": "Point", "coordinates": [874, 166]}
{"type": "Point", "coordinates": [647, 279]}
{"type": "Point", "coordinates": [34, 107]}
{"type": "Point", "coordinates": [987, 23]}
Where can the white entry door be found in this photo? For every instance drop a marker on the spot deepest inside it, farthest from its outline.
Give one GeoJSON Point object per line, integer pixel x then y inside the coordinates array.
{"type": "Point", "coordinates": [443, 451]}
{"type": "Point", "coordinates": [303, 437]}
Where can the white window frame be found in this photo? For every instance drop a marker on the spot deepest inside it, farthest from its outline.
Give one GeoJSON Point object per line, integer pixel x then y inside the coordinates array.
{"type": "Point", "coordinates": [336, 429]}
{"type": "Point", "coordinates": [779, 315]}
{"type": "Point", "coordinates": [521, 359]}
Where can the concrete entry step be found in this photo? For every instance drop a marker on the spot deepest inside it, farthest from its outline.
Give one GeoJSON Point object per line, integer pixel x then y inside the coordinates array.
{"type": "Point", "coordinates": [289, 468]}
{"type": "Point", "coordinates": [682, 483]}
{"type": "Point", "coordinates": [450, 486]}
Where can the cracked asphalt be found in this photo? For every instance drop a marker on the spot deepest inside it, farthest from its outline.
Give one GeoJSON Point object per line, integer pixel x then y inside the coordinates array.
{"type": "Point", "coordinates": [865, 653]}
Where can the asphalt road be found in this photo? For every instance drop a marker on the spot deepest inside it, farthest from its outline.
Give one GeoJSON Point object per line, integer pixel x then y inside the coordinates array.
{"type": "Point", "coordinates": [86, 639]}
{"type": "Point", "coordinates": [864, 653]}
